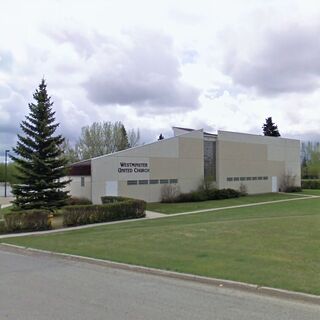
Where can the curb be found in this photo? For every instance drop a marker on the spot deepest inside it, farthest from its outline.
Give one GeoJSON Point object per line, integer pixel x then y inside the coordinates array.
{"type": "Point", "coordinates": [252, 288]}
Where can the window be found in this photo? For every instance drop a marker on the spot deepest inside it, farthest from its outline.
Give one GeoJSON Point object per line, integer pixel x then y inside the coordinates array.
{"type": "Point", "coordinates": [82, 182]}
{"type": "Point", "coordinates": [209, 154]}
{"type": "Point", "coordinates": [132, 182]}
{"type": "Point", "coordinates": [143, 181]}
{"type": "Point", "coordinates": [246, 178]}
{"type": "Point", "coordinates": [164, 181]}
{"type": "Point", "coordinates": [153, 181]}
{"type": "Point", "coordinates": [173, 180]}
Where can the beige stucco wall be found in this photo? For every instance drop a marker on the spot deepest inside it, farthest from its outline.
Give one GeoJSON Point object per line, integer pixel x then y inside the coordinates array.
{"type": "Point", "coordinates": [239, 155]}
{"type": "Point", "coordinates": [179, 158]}
{"type": "Point", "coordinates": [75, 188]}
{"type": "Point", "coordinates": [244, 155]}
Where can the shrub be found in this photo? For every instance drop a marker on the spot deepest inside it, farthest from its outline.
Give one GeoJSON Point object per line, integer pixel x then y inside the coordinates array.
{"type": "Point", "coordinates": [294, 189]}
{"type": "Point", "coordinates": [207, 184]}
{"type": "Point", "coordinates": [212, 194]}
{"type": "Point", "coordinates": [287, 182]}
{"type": "Point", "coordinates": [27, 220]}
{"type": "Point", "coordinates": [113, 199]}
{"type": "Point", "coordinates": [169, 193]}
{"type": "Point", "coordinates": [310, 184]}
{"type": "Point", "coordinates": [72, 201]}
{"type": "Point", "coordinates": [86, 214]}
{"type": "Point", "coordinates": [243, 189]}
{"type": "Point", "coordinates": [193, 196]}
{"type": "Point", "coordinates": [220, 194]}
{"type": "Point", "coordinates": [2, 227]}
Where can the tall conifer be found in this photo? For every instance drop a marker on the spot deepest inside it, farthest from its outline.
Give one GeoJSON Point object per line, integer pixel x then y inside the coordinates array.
{"type": "Point", "coordinates": [123, 141]}
{"type": "Point", "coordinates": [40, 159]}
{"type": "Point", "coordinates": [270, 129]}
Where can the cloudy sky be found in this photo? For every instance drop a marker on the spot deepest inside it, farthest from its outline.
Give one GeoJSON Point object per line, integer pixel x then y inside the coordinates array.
{"type": "Point", "coordinates": [156, 64]}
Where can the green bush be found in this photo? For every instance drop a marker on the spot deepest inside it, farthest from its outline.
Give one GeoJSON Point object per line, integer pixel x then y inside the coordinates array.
{"type": "Point", "coordinates": [210, 194]}
{"type": "Point", "coordinates": [310, 184]}
{"type": "Point", "coordinates": [113, 199]}
{"type": "Point", "coordinates": [72, 201]}
{"type": "Point", "coordinates": [193, 196]}
{"type": "Point", "coordinates": [27, 220]}
{"type": "Point", "coordinates": [86, 214]}
{"type": "Point", "coordinates": [293, 189]}
{"type": "Point", "coordinates": [2, 227]}
{"type": "Point", "coordinates": [219, 194]}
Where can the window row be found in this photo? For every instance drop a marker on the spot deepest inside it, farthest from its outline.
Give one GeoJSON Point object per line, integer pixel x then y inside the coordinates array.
{"type": "Point", "coordinates": [153, 181]}
{"type": "Point", "coordinates": [246, 178]}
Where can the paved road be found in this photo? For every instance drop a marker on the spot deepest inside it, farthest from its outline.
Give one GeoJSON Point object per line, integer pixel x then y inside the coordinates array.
{"type": "Point", "coordinates": [41, 287]}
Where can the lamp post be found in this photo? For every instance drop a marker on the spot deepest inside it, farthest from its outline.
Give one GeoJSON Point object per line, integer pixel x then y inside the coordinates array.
{"type": "Point", "coordinates": [5, 171]}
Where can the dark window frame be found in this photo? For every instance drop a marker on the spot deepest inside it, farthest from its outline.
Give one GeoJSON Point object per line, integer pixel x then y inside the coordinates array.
{"type": "Point", "coordinates": [132, 182]}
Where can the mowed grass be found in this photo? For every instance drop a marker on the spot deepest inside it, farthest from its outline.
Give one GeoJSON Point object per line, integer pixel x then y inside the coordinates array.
{"type": "Point", "coordinates": [275, 245]}
{"type": "Point", "coordinates": [169, 208]}
{"type": "Point", "coordinates": [314, 192]}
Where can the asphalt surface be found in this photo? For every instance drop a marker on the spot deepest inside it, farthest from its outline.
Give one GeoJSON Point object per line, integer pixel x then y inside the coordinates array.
{"type": "Point", "coordinates": [43, 287]}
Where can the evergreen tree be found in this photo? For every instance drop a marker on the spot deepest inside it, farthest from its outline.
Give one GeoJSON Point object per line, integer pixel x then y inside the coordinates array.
{"type": "Point", "coordinates": [40, 158]}
{"type": "Point", "coordinates": [123, 141]}
{"type": "Point", "coordinates": [161, 137]}
{"type": "Point", "coordinates": [270, 129]}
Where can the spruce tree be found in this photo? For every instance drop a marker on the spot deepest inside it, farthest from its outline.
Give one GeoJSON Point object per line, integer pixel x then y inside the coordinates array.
{"type": "Point", "coordinates": [270, 129]}
{"type": "Point", "coordinates": [40, 159]}
{"type": "Point", "coordinates": [123, 142]}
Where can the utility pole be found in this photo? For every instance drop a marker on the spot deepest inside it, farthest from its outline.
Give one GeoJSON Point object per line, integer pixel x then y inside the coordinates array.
{"type": "Point", "coordinates": [5, 171]}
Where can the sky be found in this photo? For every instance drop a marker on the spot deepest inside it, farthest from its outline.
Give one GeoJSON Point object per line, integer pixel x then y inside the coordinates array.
{"type": "Point", "coordinates": [216, 65]}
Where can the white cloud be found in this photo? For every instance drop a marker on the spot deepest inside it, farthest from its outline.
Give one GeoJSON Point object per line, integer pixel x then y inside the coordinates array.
{"type": "Point", "coordinates": [286, 59]}
{"type": "Point", "coordinates": [143, 72]}
{"type": "Point", "coordinates": [147, 65]}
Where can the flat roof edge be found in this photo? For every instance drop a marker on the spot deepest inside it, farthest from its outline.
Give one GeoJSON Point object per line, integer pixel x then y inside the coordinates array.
{"type": "Point", "coordinates": [257, 135]}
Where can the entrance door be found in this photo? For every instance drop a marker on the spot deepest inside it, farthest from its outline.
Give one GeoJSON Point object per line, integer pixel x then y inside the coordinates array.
{"type": "Point", "coordinates": [111, 188]}
{"type": "Point", "coordinates": [274, 184]}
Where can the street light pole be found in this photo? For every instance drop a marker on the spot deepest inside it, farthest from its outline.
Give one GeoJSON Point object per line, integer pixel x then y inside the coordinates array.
{"type": "Point", "coordinates": [5, 172]}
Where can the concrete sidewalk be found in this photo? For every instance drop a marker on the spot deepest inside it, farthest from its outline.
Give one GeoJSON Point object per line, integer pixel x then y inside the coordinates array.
{"type": "Point", "coordinates": [305, 197]}
{"type": "Point", "coordinates": [5, 201]}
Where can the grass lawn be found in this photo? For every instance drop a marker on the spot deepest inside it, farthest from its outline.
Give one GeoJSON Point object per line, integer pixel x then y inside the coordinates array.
{"type": "Point", "coordinates": [314, 192]}
{"type": "Point", "coordinates": [169, 208]}
{"type": "Point", "coordinates": [275, 245]}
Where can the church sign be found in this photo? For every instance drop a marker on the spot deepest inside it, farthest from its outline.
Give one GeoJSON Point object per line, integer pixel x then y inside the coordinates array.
{"type": "Point", "coordinates": [133, 167]}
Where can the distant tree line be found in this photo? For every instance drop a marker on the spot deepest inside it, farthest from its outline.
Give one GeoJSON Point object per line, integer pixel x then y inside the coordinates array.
{"type": "Point", "coordinates": [310, 160]}
{"type": "Point", "coordinates": [11, 173]}
{"type": "Point", "coordinates": [101, 138]}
